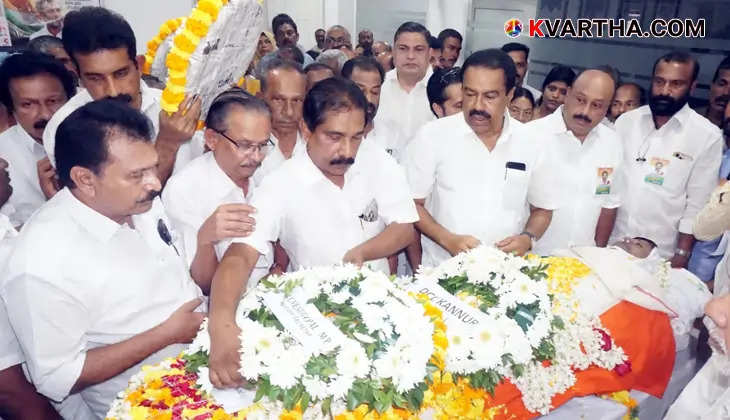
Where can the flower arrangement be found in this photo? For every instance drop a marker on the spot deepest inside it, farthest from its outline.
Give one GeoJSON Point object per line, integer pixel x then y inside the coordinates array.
{"type": "Point", "coordinates": [337, 342]}
{"type": "Point", "coordinates": [167, 29]}
{"type": "Point", "coordinates": [523, 312]}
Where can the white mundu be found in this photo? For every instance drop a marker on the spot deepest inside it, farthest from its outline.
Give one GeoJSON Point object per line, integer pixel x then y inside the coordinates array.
{"type": "Point", "coordinates": [22, 153]}
{"type": "Point", "coordinates": [99, 283]}
{"type": "Point", "coordinates": [472, 191]}
{"type": "Point", "coordinates": [589, 171]}
{"type": "Point", "coordinates": [194, 193]}
{"type": "Point", "coordinates": [670, 173]}
{"type": "Point", "coordinates": [316, 222]}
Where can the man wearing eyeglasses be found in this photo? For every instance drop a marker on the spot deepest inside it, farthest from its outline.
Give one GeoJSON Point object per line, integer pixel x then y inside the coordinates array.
{"type": "Point", "coordinates": [207, 200]}
{"type": "Point", "coordinates": [667, 134]}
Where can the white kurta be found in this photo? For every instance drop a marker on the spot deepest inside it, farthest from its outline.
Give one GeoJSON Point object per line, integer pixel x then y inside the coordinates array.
{"type": "Point", "coordinates": [22, 153]}
{"type": "Point", "coordinates": [100, 283]}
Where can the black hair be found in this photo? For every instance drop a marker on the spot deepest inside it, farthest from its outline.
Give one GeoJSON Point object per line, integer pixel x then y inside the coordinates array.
{"type": "Point", "coordinates": [223, 103]}
{"type": "Point", "coordinates": [31, 63]}
{"type": "Point", "coordinates": [724, 65]}
{"type": "Point", "coordinates": [640, 89]}
{"type": "Point", "coordinates": [332, 95]}
{"type": "Point", "coordinates": [521, 92]}
{"type": "Point", "coordinates": [317, 66]}
{"type": "Point", "coordinates": [435, 43]}
{"type": "Point", "coordinates": [679, 57]}
{"type": "Point", "coordinates": [493, 58]}
{"type": "Point", "coordinates": [83, 137]}
{"type": "Point", "coordinates": [437, 84]}
{"type": "Point", "coordinates": [412, 27]}
{"type": "Point", "coordinates": [282, 19]}
{"type": "Point", "coordinates": [559, 73]}
{"type": "Point", "coordinates": [44, 43]}
{"type": "Point", "coordinates": [450, 33]}
{"type": "Point", "coordinates": [364, 64]}
{"type": "Point", "coordinates": [91, 29]}
{"type": "Point", "coordinates": [516, 46]}
{"type": "Point", "coordinates": [279, 64]}
{"type": "Point", "coordinates": [298, 54]}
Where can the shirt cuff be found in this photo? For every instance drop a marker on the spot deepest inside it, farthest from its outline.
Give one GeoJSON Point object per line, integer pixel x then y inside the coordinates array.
{"type": "Point", "coordinates": [685, 225]}
{"type": "Point", "coordinates": [262, 246]}
{"type": "Point", "coordinates": [402, 212]}
{"type": "Point", "coordinates": [57, 384]}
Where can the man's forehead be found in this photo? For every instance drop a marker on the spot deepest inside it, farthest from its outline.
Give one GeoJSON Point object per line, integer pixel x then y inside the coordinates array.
{"type": "Point", "coordinates": [674, 69]}
{"type": "Point", "coordinates": [412, 39]}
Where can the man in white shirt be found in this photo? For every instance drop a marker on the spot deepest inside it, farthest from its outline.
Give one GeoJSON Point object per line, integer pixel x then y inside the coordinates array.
{"type": "Point", "coordinates": [343, 201]}
{"type": "Point", "coordinates": [444, 92]}
{"type": "Point", "coordinates": [590, 158]}
{"type": "Point", "coordinates": [286, 34]}
{"type": "Point", "coordinates": [113, 291]}
{"type": "Point", "coordinates": [283, 88]}
{"type": "Point", "coordinates": [33, 87]}
{"type": "Point", "coordinates": [628, 96]}
{"type": "Point", "coordinates": [486, 182]}
{"type": "Point", "coordinates": [104, 48]}
{"type": "Point", "coordinates": [207, 200]}
{"type": "Point", "coordinates": [520, 53]}
{"type": "Point", "coordinates": [403, 99]}
{"type": "Point", "coordinates": [451, 43]}
{"type": "Point", "coordinates": [671, 159]}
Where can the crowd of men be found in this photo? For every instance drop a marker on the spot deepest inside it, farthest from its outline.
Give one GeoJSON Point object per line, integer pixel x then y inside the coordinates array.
{"type": "Point", "coordinates": [134, 226]}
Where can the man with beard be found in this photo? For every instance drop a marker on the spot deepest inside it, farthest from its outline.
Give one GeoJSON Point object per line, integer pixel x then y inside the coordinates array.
{"type": "Point", "coordinates": [95, 287]}
{"type": "Point", "coordinates": [207, 200]}
{"type": "Point", "coordinates": [344, 200]}
{"type": "Point", "coordinates": [590, 159]}
{"type": "Point", "coordinates": [33, 87]}
{"type": "Point", "coordinates": [365, 39]}
{"type": "Point", "coordinates": [451, 41]}
{"type": "Point", "coordinates": [719, 93]}
{"type": "Point", "coordinates": [490, 182]}
{"type": "Point", "coordinates": [103, 47]}
{"type": "Point", "coordinates": [317, 49]}
{"type": "Point", "coordinates": [663, 206]}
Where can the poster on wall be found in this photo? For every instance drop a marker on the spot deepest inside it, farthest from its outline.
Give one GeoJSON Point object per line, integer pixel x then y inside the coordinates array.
{"type": "Point", "coordinates": [28, 19]}
{"type": "Point", "coordinates": [4, 32]}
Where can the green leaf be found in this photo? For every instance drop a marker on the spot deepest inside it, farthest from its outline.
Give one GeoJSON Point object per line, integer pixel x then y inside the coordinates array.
{"type": "Point", "coordinates": [195, 361]}
{"type": "Point", "coordinates": [304, 400]}
{"type": "Point", "coordinates": [274, 393]}
{"type": "Point", "coordinates": [352, 400]}
{"type": "Point", "coordinates": [327, 407]}
{"type": "Point", "coordinates": [263, 389]}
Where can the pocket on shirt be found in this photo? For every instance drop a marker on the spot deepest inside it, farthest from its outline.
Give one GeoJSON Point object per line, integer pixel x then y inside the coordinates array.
{"type": "Point", "coordinates": [515, 190]}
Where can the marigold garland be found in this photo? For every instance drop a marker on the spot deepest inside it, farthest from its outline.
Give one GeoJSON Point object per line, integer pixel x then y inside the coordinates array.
{"type": "Point", "coordinates": [624, 398]}
{"type": "Point", "coordinates": [168, 28]}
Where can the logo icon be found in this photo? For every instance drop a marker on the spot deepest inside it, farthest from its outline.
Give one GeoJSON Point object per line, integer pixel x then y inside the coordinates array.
{"type": "Point", "coordinates": [513, 28]}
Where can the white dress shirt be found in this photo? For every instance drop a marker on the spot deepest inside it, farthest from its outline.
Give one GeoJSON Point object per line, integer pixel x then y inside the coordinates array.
{"type": "Point", "coordinates": [193, 194]}
{"type": "Point", "coordinates": [670, 173]}
{"type": "Point", "coordinates": [276, 157]}
{"type": "Point", "coordinates": [100, 283]}
{"type": "Point", "coordinates": [316, 222]}
{"type": "Point", "coordinates": [150, 108]}
{"type": "Point", "coordinates": [472, 191]}
{"type": "Point", "coordinates": [588, 175]}
{"type": "Point", "coordinates": [22, 153]}
{"type": "Point", "coordinates": [385, 134]}
{"type": "Point", "coordinates": [536, 93]}
{"type": "Point", "coordinates": [406, 111]}
{"type": "Point", "coordinates": [10, 352]}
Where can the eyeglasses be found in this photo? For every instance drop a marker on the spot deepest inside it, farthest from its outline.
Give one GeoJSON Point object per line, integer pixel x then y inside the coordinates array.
{"type": "Point", "coordinates": [247, 147]}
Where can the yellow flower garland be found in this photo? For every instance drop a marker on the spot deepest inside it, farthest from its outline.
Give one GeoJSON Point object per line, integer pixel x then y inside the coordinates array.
{"type": "Point", "coordinates": [168, 28]}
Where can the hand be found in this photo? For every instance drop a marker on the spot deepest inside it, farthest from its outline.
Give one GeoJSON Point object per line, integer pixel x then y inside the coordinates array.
{"type": "Point", "coordinates": [517, 244]}
{"type": "Point", "coordinates": [224, 360]}
{"type": "Point", "coordinates": [183, 325]}
{"type": "Point", "coordinates": [679, 261]}
{"type": "Point", "coordinates": [47, 178]}
{"type": "Point", "coordinates": [354, 256]}
{"type": "Point", "coordinates": [227, 221]}
{"type": "Point", "coordinates": [719, 310]}
{"type": "Point", "coordinates": [179, 127]}
{"type": "Point", "coordinates": [276, 270]}
{"type": "Point", "coordinates": [457, 244]}
{"type": "Point", "coordinates": [6, 190]}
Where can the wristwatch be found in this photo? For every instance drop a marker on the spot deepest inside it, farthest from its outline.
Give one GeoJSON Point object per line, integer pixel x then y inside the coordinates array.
{"type": "Point", "coordinates": [681, 252]}
{"type": "Point", "coordinates": [532, 237]}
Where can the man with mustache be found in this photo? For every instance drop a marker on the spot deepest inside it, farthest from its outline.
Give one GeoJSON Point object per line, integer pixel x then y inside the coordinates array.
{"type": "Point", "coordinates": [476, 176]}
{"type": "Point", "coordinates": [113, 291]}
{"type": "Point", "coordinates": [719, 93]}
{"type": "Point", "coordinates": [286, 34]}
{"type": "Point", "coordinates": [404, 102]}
{"type": "Point", "coordinates": [344, 200]}
{"type": "Point", "coordinates": [663, 206]}
{"type": "Point", "coordinates": [628, 96]}
{"type": "Point", "coordinates": [33, 87]}
{"type": "Point", "coordinates": [590, 159]}
{"type": "Point", "coordinates": [103, 47]}
{"type": "Point", "coordinates": [207, 200]}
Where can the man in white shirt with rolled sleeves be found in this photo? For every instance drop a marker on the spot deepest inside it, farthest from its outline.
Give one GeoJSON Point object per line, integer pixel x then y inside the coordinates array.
{"type": "Point", "coordinates": [475, 176]}
{"type": "Point", "coordinates": [590, 160]}
{"type": "Point", "coordinates": [344, 200]}
{"type": "Point", "coordinates": [671, 156]}
{"type": "Point", "coordinates": [207, 200]}
{"type": "Point", "coordinates": [113, 290]}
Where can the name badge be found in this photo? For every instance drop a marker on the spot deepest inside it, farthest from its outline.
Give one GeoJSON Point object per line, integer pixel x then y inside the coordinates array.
{"type": "Point", "coordinates": [605, 179]}
{"type": "Point", "coordinates": [656, 174]}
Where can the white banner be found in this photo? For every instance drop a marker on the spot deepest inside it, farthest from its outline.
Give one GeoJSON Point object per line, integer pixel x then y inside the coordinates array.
{"type": "Point", "coordinates": [452, 307]}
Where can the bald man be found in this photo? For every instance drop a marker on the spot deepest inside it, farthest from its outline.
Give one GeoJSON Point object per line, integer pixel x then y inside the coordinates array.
{"type": "Point", "coordinates": [337, 38]}
{"type": "Point", "coordinates": [590, 156]}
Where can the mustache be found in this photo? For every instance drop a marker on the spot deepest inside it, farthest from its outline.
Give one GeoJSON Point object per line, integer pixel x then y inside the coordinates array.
{"type": "Point", "coordinates": [723, 98]}
{"type": "Point", "coordinates": [475, 112]}
{"type": "Point", "coordinates": [40, 124]}
{"type": "Point", "coordinates": [124, 98]}
{"type": "Point", "coordinates": [582, 117]}
{"type": "Point", "coordinates": [663, 98]}
{"type": "Point", "coordinates": [342, 161]}
{"type": "Point", "coordinates": [151, 196]}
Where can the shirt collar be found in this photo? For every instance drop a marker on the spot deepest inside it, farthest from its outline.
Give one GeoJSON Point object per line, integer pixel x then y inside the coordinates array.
{"type": "Point", "coordinates": [29, 142]}
{"type": "Point", "coordinates": [150, 96]}
{"type": "Point", "coordinates": [218, 181]}
{"type": "Point", "coordinates": [98, 225]}
{"type": "Point", "coordinates": [682, 116]}
{"type": "Point", "coordinates": [298, 146]}
{"type": "Point", "coordinates": [557, 121]}
{"type": "Point", "coordinates": [392, 75]}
